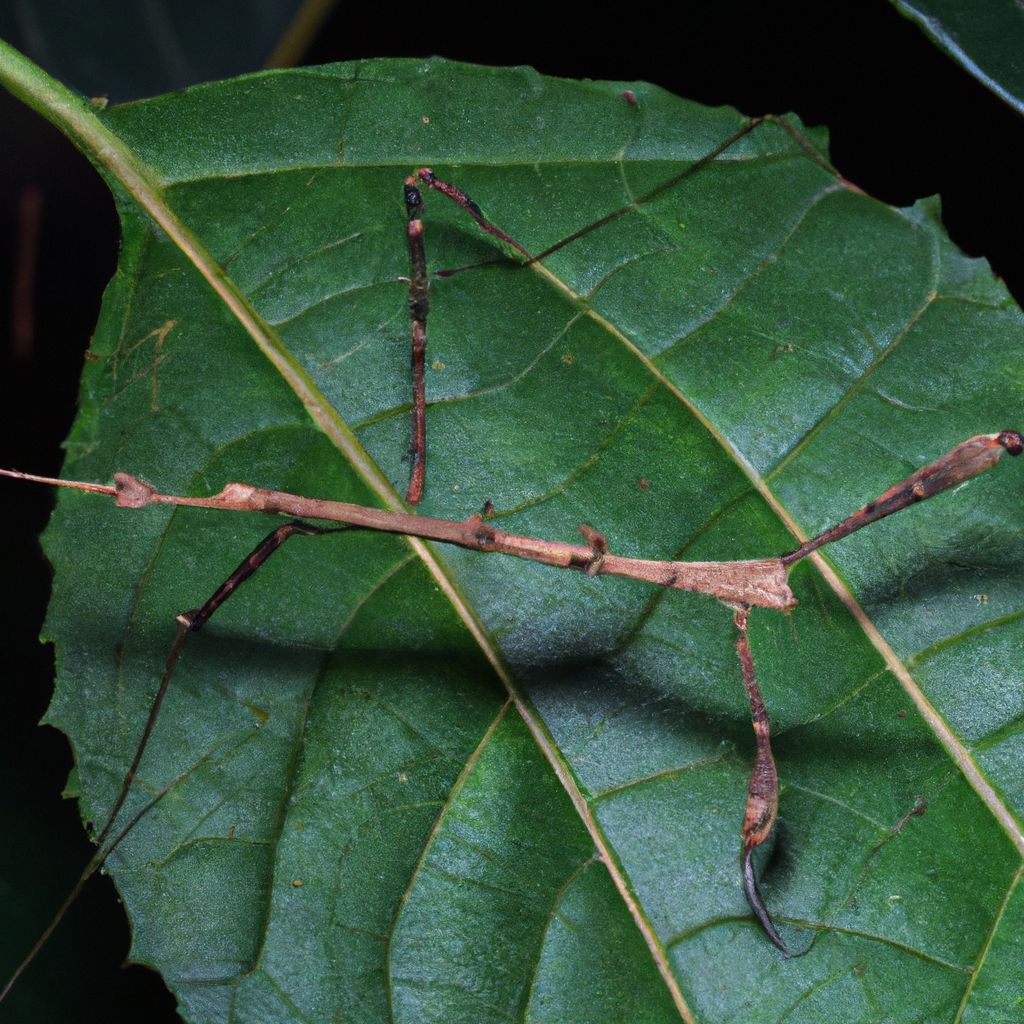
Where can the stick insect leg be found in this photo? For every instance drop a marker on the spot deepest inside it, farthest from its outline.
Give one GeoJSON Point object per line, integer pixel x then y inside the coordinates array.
{"type": "Point", "coordinates": [457, 196]}
{"type": "Point", "coordinates": [967, 459]}
{"type": "Point", "coordinates": [419, 306]}
{"type": "Point", "coordinates": [763, 790]}
{"type": "Point", "coordinates": [187, 622]}
{"type": "Point", "coordinates": [191, 622]}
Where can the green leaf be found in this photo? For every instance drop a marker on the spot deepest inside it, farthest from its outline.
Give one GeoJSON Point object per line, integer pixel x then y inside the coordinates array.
{"type": "Point", "coordinates": [432, 784]}
{"type": "Point", "coordinates": [986, 40]}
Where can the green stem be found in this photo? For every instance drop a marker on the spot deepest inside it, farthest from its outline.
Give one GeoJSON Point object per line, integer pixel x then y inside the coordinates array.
{"type": "Point", "coordinates": [74, 116]}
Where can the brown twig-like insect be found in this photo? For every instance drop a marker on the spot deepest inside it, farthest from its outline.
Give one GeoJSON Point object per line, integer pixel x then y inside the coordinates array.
{"type": "Point", "coordinates": [740, 585]}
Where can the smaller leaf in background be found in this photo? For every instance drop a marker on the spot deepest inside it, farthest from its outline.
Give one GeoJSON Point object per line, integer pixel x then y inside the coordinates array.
{"type": "Point", "coordinates": [156, 46]}
{"type": "Point", "coordinates": [986, 40]}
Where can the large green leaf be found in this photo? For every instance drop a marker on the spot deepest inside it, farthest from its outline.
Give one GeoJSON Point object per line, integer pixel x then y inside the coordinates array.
{"type": "Point", "coordinates": [434, 785]}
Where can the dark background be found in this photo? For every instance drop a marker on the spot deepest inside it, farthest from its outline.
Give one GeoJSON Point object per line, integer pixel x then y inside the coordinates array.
{"type": "Point", "coordinates": [905, 122]}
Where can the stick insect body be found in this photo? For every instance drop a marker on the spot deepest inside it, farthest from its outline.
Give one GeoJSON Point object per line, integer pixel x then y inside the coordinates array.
{"type": "Point", "coordinates": [740, 585]}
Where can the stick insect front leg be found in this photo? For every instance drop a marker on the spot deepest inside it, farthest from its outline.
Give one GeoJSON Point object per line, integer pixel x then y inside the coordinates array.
{"type": "Point", "coordinates": [187, 622]}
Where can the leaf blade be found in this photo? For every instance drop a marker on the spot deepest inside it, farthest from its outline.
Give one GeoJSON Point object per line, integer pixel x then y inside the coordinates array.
{"type": "Point", "coordinates": [622, 416]}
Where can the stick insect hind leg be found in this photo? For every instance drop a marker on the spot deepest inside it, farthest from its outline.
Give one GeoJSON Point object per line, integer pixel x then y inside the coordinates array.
{"type": "Point", "coordinates": [187, 622]}
{"type": "Point", "coordinates": [763, 789]}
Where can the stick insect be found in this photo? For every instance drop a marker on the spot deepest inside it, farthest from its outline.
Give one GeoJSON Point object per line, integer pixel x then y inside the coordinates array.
{"type": "Point", "coordinates": [592, 554]}
{"type": "Point", "coordinates": [739, 585]}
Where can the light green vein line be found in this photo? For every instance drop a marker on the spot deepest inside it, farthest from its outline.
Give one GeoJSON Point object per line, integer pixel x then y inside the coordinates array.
{"type": "Point", "coordinates": [429, 842]}
{"type": "Point", "coordinates": [989, 939]}
{"type": "Point", "coordinates": [668, 773]}
{"type": "Point", "coordinates": [840, 702]}
{"type": "Point", "coordinates": [754, 274]}
{"type": "Point", "coordinates": [812, 992]}
{"type": "Point", "coordinates": [525, 1009]}
{"type": "Point", "coordinates": [849, 808]}
{"type": "Point", "coordinates": [853, 391]}
{"type": "Point", "coordinates": [983, 627]}
{"type": "Point", "coordinates": [403, 167]}
{"type": "Point", "coordinates": [285, 998]}
{"type": "Point", "coordinates": [823, 929]}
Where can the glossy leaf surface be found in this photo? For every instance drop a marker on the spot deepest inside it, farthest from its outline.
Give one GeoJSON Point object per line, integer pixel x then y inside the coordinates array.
{"type": "Point", "coordinates": [371, 827]}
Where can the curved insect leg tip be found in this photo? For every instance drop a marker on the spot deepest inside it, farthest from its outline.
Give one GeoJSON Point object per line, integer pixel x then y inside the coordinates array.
{"type": "Point", "coordinates": [1012, 441]}
{"type": "Point", "coordinates": [753, 894]}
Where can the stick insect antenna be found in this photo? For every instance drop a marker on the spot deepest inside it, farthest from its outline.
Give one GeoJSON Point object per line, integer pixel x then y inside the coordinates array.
{"type": "Point", "coordinates": [188, 622]}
